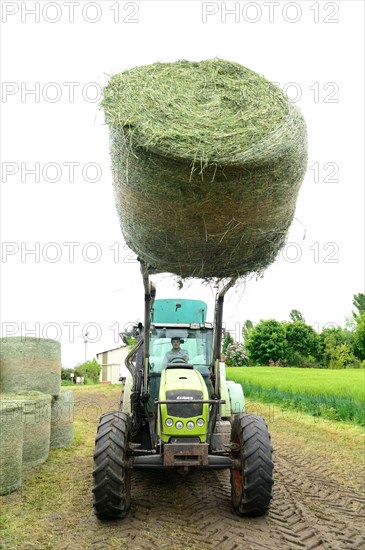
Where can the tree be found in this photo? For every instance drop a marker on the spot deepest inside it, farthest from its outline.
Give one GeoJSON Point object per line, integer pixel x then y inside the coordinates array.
{"type": "Point", "coordinates": [340, 355]}
{"type": "Point", "coordinates": [66, 374]}
{"type": "Point", "coordinates": [90, 370]}
{"type": "Point", "coordinates": [295, 315]}
{"type": "Point", "coordinates": [247, 327]}
{"type": "Point", "coordinates": [332, 338]}
{"type": "Point", "coordinates": [267, 340]}
{"type": "Point", "coordinates": [227, 340]}
{"type": "Point", "coordinates": [302, 340]}
{"type": "Point", "coordinates": [358, 301]}
{"type": "Point", "coordinates": [359, 336]}
{"type": "Point", "coordinates": [350, 323]}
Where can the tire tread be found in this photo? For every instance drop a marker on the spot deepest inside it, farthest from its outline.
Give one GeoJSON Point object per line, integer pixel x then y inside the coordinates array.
{"type": "Point", "coordinates": [257, 466]}
{"type": "Point", "coordinates": [111, 476]}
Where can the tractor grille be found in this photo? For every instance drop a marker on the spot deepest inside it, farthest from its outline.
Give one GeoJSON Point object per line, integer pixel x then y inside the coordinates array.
{"type": "Point", "coordinates": [184, 409]}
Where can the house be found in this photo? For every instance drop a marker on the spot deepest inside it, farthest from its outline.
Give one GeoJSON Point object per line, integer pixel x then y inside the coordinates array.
{"type": "Point", "coordinates": [112, 364]}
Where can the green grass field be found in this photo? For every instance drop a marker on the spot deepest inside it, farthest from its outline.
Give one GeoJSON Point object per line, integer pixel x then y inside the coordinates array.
{"type": "Point", "coordinates": [332, 394]}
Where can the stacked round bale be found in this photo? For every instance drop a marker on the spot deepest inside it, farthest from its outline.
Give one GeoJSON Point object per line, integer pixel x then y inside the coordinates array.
{"type": "Point", "coordinates": [36, 424]}
{"type": "Point", "coordinates": [32, 364]}
{"type": "Point", "coordinates": [208, 158]}
{"type": "Point", "coordinates": [30, 382]}
{"type": "Point", "coordinates": [62, 427]}
{"type": "Point", "coordinates": [11, 446]}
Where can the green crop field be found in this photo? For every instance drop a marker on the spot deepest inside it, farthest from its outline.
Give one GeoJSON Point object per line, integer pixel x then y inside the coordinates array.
{"type": "Point", "coordinates": [333, 394]}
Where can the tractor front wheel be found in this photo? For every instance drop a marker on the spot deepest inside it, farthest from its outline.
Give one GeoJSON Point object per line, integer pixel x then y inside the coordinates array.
{"type": "Point", "coordinates": [112, 478]}
{"type": "Point", "coordinates": [251, 483]}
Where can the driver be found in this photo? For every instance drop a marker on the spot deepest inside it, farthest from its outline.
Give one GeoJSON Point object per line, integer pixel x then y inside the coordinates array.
{"type": "Point", "coordinates": [176, 352]}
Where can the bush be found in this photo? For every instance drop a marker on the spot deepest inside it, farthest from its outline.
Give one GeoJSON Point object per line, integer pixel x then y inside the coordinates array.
{"type": "Point", "coordinates": [236, 355]}
{"type": "Point", "coordinates": [296, 359]}
{"type": "Point", "coordinates": [357, 364]}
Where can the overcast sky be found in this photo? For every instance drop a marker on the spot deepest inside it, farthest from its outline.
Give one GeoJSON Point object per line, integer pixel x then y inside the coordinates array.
{"type": "Point", "coordinates": [57, 197]}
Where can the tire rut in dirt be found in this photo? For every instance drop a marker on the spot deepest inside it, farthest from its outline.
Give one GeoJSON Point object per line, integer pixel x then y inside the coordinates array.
{"type": "Point", "coordinates": [317, 509]}
{"type": "Point", "coordinates": [193, 512]}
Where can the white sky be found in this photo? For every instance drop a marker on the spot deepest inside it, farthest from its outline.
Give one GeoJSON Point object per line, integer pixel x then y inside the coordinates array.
{"type": "Point", "coordinates": [323, 60]}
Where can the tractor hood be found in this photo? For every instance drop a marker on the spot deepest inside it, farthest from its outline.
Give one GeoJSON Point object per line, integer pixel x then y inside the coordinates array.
{"type": "Point", "coordinates": [183, 418]}
{"type": "Point", "coordinates": [183, 382]}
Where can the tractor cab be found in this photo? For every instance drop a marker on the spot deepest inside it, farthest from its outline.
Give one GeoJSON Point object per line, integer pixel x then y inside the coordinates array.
{"type": "Point", "coordinates": [181, 348]}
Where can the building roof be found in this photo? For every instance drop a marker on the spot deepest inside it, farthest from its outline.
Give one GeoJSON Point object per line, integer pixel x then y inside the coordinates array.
{"type": "Point", "coordinates": [113, 349]}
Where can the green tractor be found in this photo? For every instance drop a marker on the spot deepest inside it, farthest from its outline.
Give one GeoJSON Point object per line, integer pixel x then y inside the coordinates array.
{"type": "Point", "coordinates": [177, 410]}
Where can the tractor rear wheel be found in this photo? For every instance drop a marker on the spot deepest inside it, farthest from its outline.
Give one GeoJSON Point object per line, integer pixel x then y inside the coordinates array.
{"type": "Point", "coordinates": [112, 478]}
{"type": "Point", "coordinates": [251, 483]}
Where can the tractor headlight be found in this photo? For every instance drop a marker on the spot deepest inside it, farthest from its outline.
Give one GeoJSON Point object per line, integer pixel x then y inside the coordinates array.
{"type": "Point", "coordinates": [190, 425]}
{"type": "Point", "coordinates": [169, 422]}
{"type": "Point", "coordinates": [200, 422]}
{"type": "Point", "coordinates": [179, 425]}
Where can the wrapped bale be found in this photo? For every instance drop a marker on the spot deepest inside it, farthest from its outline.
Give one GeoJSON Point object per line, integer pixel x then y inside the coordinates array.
{"type": "Point", "coordinates": [11, 446]}
{"type": "Point", "coordinates": [62, 425]}
{"type": "Point", "coordinates": [208, 158]}
{"type": "Point", "coordinates": [31, 364]}
{"type": "Point", "coordinates": [36, 424]}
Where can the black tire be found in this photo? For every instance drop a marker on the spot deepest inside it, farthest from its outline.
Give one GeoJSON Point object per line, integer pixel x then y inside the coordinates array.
{"type": "Point", "coordinates": [251, 484]}
{"type": "Point", "coordinates": [112, 476]}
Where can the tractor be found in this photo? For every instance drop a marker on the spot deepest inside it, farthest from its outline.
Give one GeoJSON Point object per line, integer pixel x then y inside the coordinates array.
{"type": "Point", "coordinates": [178, 411]}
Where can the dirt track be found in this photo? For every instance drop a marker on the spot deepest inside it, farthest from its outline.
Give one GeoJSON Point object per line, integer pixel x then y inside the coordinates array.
{"type": "Point", "coordinates": [195, 512]}
{"type": "Point", "coordinates": [310, 510]}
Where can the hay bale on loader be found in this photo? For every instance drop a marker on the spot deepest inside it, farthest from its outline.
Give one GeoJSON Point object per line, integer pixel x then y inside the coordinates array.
{"type": "Point", "coordinates": [62, 415]}
{"type": "Point", "coordinates": [11, 446]}
{"type": "Point", "coordinates": [30, 364]}
{"type": "Point", "coordinates": [36, 424]}
{"type": "Point", "coordinates": [207, 160]}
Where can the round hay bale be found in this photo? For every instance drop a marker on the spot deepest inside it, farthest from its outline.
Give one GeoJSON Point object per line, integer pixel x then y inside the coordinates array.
{"type": "Point", "coordinates": [62, 416]}
{"type": "Point", "coordinates": [208, 158]}
{"type": "Point", "coordinates": [11, 446]}
{"type": "Point", "coordinates": [36, 421]}
{"type": "Point", "coordinates": [30, 364]}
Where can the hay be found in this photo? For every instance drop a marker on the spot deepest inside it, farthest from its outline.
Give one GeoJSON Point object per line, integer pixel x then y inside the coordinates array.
{"type": "Point", "coordinates": [36, 423]}
{"type": "Point", "coordinates": [11, 446]}
{"type": "Point", "coordinates": [30, 364]}
{"type": "Point", "coordinates": [208, 159]}
{"type": "Point", "coordinates": [62, 427]}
